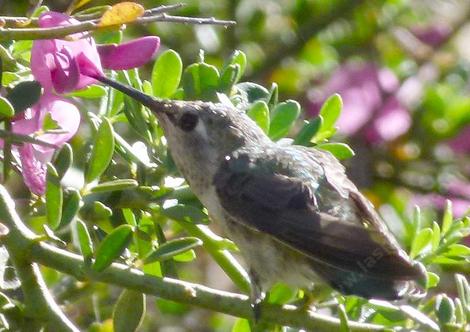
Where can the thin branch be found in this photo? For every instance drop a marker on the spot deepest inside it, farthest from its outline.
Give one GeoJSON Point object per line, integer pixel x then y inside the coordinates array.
{"type": "Point", "coordinates": [63, 31]}
{"type": "Point", "coordinates": [19, 20]}
{"type": "Point", "coordinates": [168, 288]}
{"type": "Point", "coordinates": [14, 138]}
{"type": "Point", "coordinates": [39, 303]}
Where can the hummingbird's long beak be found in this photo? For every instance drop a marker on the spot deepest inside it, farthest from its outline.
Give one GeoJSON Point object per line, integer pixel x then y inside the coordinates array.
{"type": "Point", "coordinates": [155, 105]}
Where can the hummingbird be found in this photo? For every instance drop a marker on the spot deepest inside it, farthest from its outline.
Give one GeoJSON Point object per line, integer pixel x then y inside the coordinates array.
{"type": "Point", "coordinates": [291, 210]}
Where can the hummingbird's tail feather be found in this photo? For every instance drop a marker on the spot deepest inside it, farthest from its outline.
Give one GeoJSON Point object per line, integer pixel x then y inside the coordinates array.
{"type": "Point", "coordinates": [369, 286]}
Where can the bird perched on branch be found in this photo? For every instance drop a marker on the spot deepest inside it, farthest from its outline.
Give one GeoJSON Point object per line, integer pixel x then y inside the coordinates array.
{"type": "Point", "coordinates": [291, 210]}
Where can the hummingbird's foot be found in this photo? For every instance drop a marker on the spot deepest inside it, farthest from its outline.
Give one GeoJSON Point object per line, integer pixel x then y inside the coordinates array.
{"type": "Point", "coordinates": [257, 296]}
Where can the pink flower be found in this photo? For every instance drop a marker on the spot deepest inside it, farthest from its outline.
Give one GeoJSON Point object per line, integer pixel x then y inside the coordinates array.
{"type": "Point", "coordinates": [33, 157]}
{"type": "Point", "coordinates": [370, 108]}
{"type": "Point", "coordinates": [62, 65]}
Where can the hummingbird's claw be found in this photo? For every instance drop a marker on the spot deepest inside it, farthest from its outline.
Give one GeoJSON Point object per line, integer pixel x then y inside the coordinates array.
{"type": "Point", "coordinates": [256, 305]}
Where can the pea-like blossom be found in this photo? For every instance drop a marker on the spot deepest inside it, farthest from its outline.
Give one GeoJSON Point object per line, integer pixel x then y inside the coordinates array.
{"type": "Point", "coordinates": [62, 66]}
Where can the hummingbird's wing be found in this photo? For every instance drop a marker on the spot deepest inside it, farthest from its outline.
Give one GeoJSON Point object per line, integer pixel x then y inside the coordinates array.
{"type": "Point", "coordinates": [287, 207]}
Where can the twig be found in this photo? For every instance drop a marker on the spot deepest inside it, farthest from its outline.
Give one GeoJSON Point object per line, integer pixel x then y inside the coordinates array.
{"type": "Point", "coordinates": [18, 20]}
{"type": "Point", "coordinates": [14, 138]}
{"type": "Point", "coordinates": [62, 31]}
{"type": "Point", "coordinates": [168, 288]}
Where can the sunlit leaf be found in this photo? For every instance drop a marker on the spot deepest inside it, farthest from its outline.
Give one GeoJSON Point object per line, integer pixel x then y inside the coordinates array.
{"type": "Point", "coordinates": [308, 131]}
{"type": "Point", "coordinates": [112, 246]}
{"type": "Point", "coordinates": [283, 118]}
{"type": "Point", "coordinates": [115, 185]}
{"type": "Point", "coordinates": [339, 150]}
{"type": "Point", "coordinates": [241, 325]}
{"type": "Point", "coordinates": [420, 242]}
{"type": "Point", "coordinates": [447, 218]}
{"type": "Point", "coordinates": [129, 311]}
{"type": "Point", "coordinates": [259, 112]}
{"type": "Point", "coordinates": [102, 153]}
{"type": "Point", "coordinates": [172, 248]}
{"type": "Point", "coordinates": [6, 108]}
{"type": "Point", "coordinates": [445, 309]}
{"type": "Point", "coordinates": [84, 240]}
{"type": "Point", "coordinates": [54, 197]}
{"type": "Point", "coordinates": [187, 213]}
{"type": "Point", "coordinates": [166, 74]}
{"type": "Point", "coordinates": [121, 13]}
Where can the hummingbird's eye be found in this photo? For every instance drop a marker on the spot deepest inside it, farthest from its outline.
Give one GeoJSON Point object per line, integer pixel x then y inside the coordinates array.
{"type": "Point", "coordinates": [188, 121]}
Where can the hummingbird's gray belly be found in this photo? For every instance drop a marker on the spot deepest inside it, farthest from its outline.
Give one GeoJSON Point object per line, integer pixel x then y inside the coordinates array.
{"type": "Point", "coordinates": [271, 260]}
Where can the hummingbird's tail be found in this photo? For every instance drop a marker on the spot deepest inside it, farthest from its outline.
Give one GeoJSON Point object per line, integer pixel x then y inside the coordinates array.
{"type": "Point", "coordinates": [369, 286]}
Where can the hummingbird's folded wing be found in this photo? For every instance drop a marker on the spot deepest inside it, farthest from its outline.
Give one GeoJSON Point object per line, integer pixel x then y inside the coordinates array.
{"type": "Point", "coordinates": [285, 208]}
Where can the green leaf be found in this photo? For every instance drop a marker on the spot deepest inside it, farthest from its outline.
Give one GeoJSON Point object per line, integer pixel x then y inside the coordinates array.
{"type": "Point", "coordinates": [421, 241]}
{"type": "Point", "coordinates": [228, 78]}
{"type": "Point", "coordinates": [102, 153]}
{"type": "Point", "coordinates": [447, 218]}
{"type": "Point", "coordinates": [129, 311]}
{"type": "Point", "coordinates": [112, 246]}
{"type": "Point", "coordinates": [463, 290]}
{"type": "Point", "coordinates": [259, 112]}
{"type": "Point", "coordinates": [84, 240]}
{"type": "Point", "coordinates": [432, 280]}
{"type": "Point", "coordinates": [436, 236]}
{"type": "Point", "coordinates": [445, 309]}
{"type": "Point", "coordinates": [252, 92]}
{"type": "Point", "coordinates": [166, 74]}
{"type": "Point", "coordinates": [49, 124]}
{"type": "Point", "coordinates": [24, 95]}
{"type": "Point", "coordinates": [339, 150]}
{"type": "Point", "coordinates": [172, 248]}
{"type": "Point", "coordinates": [460, 316]}
{"type": "Point", "coordinates": [186, 213]}
{"type": "Point", "coordinates": [72, 202]}
{"type": "Point", "coordinates": [241, 325]}
{"type": "Point", "coordinates": [281, 293]}
{"type": "Point", "coordinates": [63, 160]}
{"type": "Point", "coordinates": [308, 131]}
{"type": "Point", "coordinates": [54, 197]}
{"type": "Point", "coordinates": [330, 111]}
{"type": "Point", "coordinates": [6, 108]}
{"type": "Point", "coordinates": [185, 257]}
{"type": "Point", "coordinates": [458, 250]}
{"type": "Point", "coordinates": [115, 185]}
{"type": "Point", "coordinates": [273, 95]}
{"type": "Point", "coordinates": [283, 118]}
{"type": "Point", "coordinates": [200, 82]}
{"type": "Point", "coordinates": [238, 58]}
{"type": "Point", "coordinates": [90, 92]}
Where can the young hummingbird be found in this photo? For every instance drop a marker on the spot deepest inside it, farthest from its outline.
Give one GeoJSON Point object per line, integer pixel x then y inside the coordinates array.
{"type": "Point", "coordinates": [291, 210]}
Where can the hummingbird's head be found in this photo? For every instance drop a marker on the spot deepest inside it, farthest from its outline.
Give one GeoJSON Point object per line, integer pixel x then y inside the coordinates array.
{"type": "Point", "coordinates": [199, 134]}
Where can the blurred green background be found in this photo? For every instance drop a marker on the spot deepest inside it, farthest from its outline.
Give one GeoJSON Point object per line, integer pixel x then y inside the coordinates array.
{"type": "Point", "coordinates": [402, 68]}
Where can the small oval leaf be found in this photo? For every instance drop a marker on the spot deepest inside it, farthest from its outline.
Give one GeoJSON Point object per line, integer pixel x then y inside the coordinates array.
{"type": "Point", "coordinates": [330, 111]}
{"type": "Point", "coordinates": [308, 131]}
{"type": "Point", "coordinates": [63, 160]}
{"type": "Point", "coordinates": [420, 242]}
{"type": "Point", "coordinates": [339, 150]}
{"type": "Point", "coordinates": [187, 213]}
{"type": "Point", "coordinates": [172, 248]}
{"type": "Point", "coordinates": [166, 74]}
{"type": "Point", "coordinates": [129, 311]}
{"type": "Point", "coordinates": [102, 153]}
{"type": "Point", "coordinates": [6, 108]}
{"type": "Point", "coordinates": [84, 240]}
{"type": "Point", "coordinates": [259, 112]}
{"type": "Point", "coordinates": [72, 203]}
{"type": "Point", "coordinates": [122, 13]}
{"type": "Point", "coordinates": [115, 185]}
{"type": "Point", "coordinates": [54, 197]}
{"type": "Point", "coordinates": [112, 247]}
{"type": "Point", "coordinates": [283, 118]}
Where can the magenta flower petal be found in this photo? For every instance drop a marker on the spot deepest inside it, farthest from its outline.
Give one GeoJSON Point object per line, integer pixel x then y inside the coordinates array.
{"type": "Point", "coordinates": [66, 74]}
{"type": "Point", "coordinates": [391, 121]}
{"type": "Point", "coordinates": [54, 62]}
{"type": "Point", "coordinates": [461, 142]}
{"type": "Point", "coordinates": [34, 171]}
{"type": "Point", "coordinates": [132, 54]}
